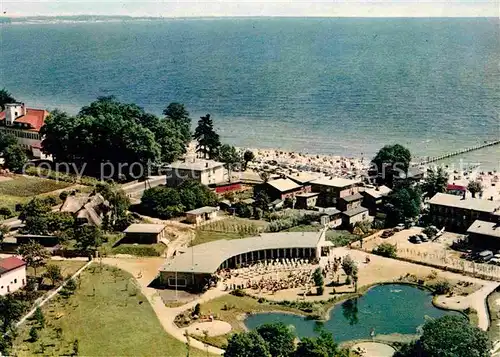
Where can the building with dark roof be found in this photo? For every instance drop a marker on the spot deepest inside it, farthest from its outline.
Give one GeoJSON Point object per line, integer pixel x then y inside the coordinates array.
{"type": "Point", "coordinates": [457, 213]}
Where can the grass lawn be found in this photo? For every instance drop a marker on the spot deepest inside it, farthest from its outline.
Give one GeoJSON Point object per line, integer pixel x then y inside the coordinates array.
{"type": "Point", "coordinates": [108, 316]}
{"type": "Point", "coordinates": [21, 189]}
{"type": "Point", "coordinates": [68, 267]}
{"type": "Point", "coordinates": [229, 228]}
{"type": "Point", "coordinates": [230, 308]}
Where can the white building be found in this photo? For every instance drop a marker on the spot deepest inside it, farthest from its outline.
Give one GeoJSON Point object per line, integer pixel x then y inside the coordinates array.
{"type": "Point", "coordinates": [25, 124]}
{"type": "Point", "coordinates": [12, 275]}
{"type": "Point", "coordinates": [207, 172]}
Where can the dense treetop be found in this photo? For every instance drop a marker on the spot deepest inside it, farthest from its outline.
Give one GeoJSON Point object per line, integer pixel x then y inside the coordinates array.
{"type": "Point", "coordinates": [110, 131]}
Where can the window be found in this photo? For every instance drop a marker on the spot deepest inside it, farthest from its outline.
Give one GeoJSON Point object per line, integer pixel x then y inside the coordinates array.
{"type": "Point", "coordinates": [15, 281]}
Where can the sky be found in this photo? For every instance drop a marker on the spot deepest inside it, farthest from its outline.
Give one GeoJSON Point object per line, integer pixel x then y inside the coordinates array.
{"type": "Point", "coordinates": [208, 8]}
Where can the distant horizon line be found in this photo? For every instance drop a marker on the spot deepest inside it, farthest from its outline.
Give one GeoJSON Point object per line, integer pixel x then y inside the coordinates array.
{"type": "Point", "coordinates": [14, 17]}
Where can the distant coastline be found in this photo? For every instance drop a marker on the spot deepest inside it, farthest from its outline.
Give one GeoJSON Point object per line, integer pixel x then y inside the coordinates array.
{"type": "Point", "coordinates": [62, 19]}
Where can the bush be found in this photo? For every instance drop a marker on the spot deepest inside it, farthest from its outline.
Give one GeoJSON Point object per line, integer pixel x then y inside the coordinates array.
{"type": "Point", "coordinates": [386, 250]}
{"type": "Point", "coordinates": [153, 250]}
{"type": "Point", "coordinates": [33, 334]}
{"type": "Point", "coordinates": [238, 292]}
{"type": "Point", "coordinates": [441, 287]}
{"type": "Point", "coordinates": [6, 212]}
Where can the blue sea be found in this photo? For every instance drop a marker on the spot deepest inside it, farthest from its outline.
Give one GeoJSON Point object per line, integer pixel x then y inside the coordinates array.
{"type": "Point", "coordinates": [334, 85]}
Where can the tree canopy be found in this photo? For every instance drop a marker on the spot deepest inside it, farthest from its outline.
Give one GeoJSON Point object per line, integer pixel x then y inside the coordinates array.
{"type": "Point", "coordinates": [179, 116]}
{"type": "Point", "coordinates": [108, 131]}
{"type": "Point", "coordinates": [230, 157]}
{"type": "Point", "coordinates": [208, 140]}
{"type": "Point", "coordinates": [34, 254]}
{"type": "Point", "coordinates": [403, 203]}
{"type": "Point", "coordinates": [14, 158]}
{"type": "Point", "coordinates": [389, 159]}
{"type": "Point", "coordinates": [279, 337]}
{"type": "Point", "coordinates": [168, 202]}
{"type": "Point", "coordinates": [475, 187]}
{"type": "Point", "coordinates": [435, 182]}
{"type": "Point", "coordinates": [6, 140]}
{"type": "Point", "coordinates": [449, 336]}
{"type": "Point", "coordinates": [5, 98]}
{"type": "Point", "coordinates": [247, 344]}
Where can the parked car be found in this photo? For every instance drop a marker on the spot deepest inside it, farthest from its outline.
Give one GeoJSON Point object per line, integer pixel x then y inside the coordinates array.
{"type": "Point", "coordinates": [399, 227]}
{"type": "Point", "coordinates": [387, 233]}
{"type": "Point", "coordinates": [485, 256]}
{"type": "Point", "coordinates": [494, 261]}
{"type": "Point", "coordinates": [415, 239]}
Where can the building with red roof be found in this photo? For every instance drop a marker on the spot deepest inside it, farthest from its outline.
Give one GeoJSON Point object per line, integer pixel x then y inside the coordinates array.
{"type": "Point", "coordinates": [25, 124]}
{"type": "Point", "coordinates": [12, 275]}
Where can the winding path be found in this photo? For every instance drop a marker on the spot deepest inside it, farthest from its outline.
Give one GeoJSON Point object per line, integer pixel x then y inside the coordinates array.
{"type": "Point", "coordinates": [144, 271]}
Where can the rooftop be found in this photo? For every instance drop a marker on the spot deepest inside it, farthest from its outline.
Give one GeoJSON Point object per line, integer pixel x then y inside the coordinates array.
{"type": "Point", "coordinates": [284, 185]}
{"type": "Point", "coordinates": [355, 211]}
{"type": "Point", "coordinates": [302, 177]}
{"type": "Point", "coordinates": [34, 117]}
{"type": "Point", "coordinates": [338, 182]}
{"type": "Point", "coordinates": [379, 192]}
{"type": "Point", "coordinates": [331, 211]}
{"type": "Point", "coordinates": [201, 210]}
{"type": "Point", "coordinates": [476, 204]}
{"type": "Point", "coordinates": [356, 197]}
{"type": "Point", "coordinates": [195, 165]}
{"type": "Point", "coordinates": [10, 263]}
{"type": "Point", "coordinates": [207, 258]}
{"type": "Point", "coordinates": [308, 194]}
{"type": "Point", "coordinates": [144, 228]}
{"type": "Point", "coordinates": [491, 229]}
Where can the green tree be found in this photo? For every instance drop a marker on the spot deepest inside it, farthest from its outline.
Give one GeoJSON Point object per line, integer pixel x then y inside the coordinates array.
{"type": "Point", "coordinates": [389, 159]}
{"type": "Point", "coordinates": [248, 156]}
{"type": "Point", "coordinates": [475, 187]}
{"type": "Point", "coordinates": [88, 238]}
{"type": "Point", "coordinates": [435, 182]}
{"type": "Point", "coordinates": [247, 344]}
{"type": "Point", "coordinates": [118, 201]}
{"type": "Point", "coordinates": [53, 273]}
{"type": "Point", "coordinates": [262, 200]}
{"type": "Point", "coordinates": [230, 157]}
{"type": "Point", "coordinates": [449, 336]}
{"type": "Point", "coordinates": [5, 98]}
{"type": "Point", "coordinates": [179, 116]}
{"type": "Point", "coordinates": [321, 346]}
{"type": "Point", "coordinates": [35, 207]}
{"type": "Point", "coordinates": [318, 280]}
{"type": "Point", "coordinates": [403, 203]}
{"type": "Point", "coordinates": [6, 140]}
{"type": "Point", "coordinates": [106, 131]}
{"type": "Point", "coordinates": [349, 266]}
{"type": "Point", "coordinates": [34, 254]}
{"type": "Point", "coordinates": [39, 318]}
{"type": "Point", "coordinates": [33, 334]}
{"type": "Point", "coordinates": [279, 337]}
{"type": "Point", "coordinates": [386, 250]}
{"type": "Point", "coordinates": [11, 310]}
{"type": "Point", "coordinates": [208, 140]}
{"type": "Point", "coordinates": [14, 158]}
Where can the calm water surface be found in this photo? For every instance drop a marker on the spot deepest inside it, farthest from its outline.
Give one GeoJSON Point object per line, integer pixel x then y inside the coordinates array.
{"type": "Point", "coordinates": [340, 86]}
{"type": "Point", "coordinates": [387, 309]}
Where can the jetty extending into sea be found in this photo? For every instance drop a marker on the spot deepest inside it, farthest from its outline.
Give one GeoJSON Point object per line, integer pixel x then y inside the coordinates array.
{"type": "Point", "coordinates": [456, 153]}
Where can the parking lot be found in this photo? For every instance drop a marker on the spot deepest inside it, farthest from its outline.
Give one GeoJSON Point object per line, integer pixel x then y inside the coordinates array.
{"type": "Point", "coordinates": [436, 252]}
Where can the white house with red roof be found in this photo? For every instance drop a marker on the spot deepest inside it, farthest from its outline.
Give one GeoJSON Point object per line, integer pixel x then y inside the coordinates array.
{"type": "Point", "coordinates": [12, 275]}
{"type": "Point", "coordinates": [25, 124]}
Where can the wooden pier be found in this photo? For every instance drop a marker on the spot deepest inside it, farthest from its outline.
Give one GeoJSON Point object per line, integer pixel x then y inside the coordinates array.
{"type": "Point", "coordinates": [456, 153]}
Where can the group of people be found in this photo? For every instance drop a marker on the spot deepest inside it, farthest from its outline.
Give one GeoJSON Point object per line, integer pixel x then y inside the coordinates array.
{"type": "Point", "coordinates": [270, 275]}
